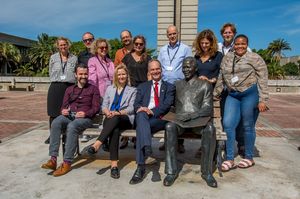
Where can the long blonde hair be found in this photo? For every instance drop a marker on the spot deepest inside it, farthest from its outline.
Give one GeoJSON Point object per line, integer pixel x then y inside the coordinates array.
{"type": "Point", "coordinates": [115, 80]}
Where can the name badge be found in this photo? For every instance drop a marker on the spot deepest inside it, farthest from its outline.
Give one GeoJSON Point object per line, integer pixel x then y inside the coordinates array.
{"type": "Point", "coordinates": [234, 79]}
{"type": "Point", "coordinates": [62, 77]}
{"type": "Point", "coordinates": [169, 68]}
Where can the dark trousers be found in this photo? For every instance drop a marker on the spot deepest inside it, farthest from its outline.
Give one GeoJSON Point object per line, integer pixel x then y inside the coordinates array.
{"type": "Point", "coordinates": [146, 126]}
{"type": "Point", "coordinates": [111, 129]}
{"type": "Point", "coordinates": [208, 145]}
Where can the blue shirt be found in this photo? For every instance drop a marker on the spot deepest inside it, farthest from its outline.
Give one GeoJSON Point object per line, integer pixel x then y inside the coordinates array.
{"type": "Point", "coordinates": [171, 58]}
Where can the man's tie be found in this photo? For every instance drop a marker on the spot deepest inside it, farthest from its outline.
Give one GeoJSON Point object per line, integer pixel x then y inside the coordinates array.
{"type": "Point", "coordinates": [156, 99]}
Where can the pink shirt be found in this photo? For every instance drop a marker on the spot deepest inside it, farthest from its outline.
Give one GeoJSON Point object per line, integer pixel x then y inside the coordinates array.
{"type": "Point", "coordinates": [101, 73]}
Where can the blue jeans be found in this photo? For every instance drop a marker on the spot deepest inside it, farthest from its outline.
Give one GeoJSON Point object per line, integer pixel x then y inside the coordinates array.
{"type": "Point", "coordinates": [72, 130]}
{"type": "Point", "coordinates": [241, 106]}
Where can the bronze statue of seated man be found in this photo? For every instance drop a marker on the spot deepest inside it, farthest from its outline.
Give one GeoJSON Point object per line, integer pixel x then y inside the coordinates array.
{"type": "Point", "coordinates": [193, 113]}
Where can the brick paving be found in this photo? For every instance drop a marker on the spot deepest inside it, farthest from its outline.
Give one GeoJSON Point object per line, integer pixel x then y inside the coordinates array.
{"type": "Point", "coordinates": [20, 111]}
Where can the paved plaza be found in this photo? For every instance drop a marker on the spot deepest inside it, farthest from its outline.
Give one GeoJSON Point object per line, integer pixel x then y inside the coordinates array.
{"type": "Point", "coordinates": [24, 127]}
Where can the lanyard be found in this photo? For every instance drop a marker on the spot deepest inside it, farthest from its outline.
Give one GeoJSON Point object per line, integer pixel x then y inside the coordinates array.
{"type": "Point", "coordinates": [105, 69]}
{"type": "Point", "coordinates": [235, 60]}
{"type": "Point", "coordinates": [63, 64]}
{"type": "Point", "coordinates": [229, 50]}
{"type": "Point", "coordinates": [171, 60]}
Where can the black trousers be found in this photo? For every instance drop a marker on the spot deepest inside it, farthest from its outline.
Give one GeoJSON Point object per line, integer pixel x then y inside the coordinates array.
{"type": "Point", "coordinates": [111, 129]}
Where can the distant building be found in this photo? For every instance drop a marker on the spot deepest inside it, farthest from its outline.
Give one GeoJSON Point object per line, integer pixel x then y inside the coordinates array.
{"type": "Point", "coordinates": [293, 59]}
{"type": "Point", "coordinates": [22, 44]}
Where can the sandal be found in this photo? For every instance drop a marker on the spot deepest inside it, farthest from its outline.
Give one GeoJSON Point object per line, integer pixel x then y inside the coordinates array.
{"type": "Point", "coordinates": [246, 163]}
{"type": "Point", "coordinates": [228, 165]}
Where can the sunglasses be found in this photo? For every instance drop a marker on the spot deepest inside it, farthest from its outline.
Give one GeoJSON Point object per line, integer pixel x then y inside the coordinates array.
{"type": "Point", "coordinates": [103, 47]}
{"type": "Point", "coordinates": [88, 40]}
{"type": "Point", "coordinates": [139, 44]}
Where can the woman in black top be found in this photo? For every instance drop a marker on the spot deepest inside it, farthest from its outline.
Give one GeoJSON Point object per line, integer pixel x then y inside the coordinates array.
{"type": "Point", "coordinates": [207, 55]}
{"type": "Point", "coordinates": [137, 65]}
{"type": "Point", "coordinates": [137, 61]}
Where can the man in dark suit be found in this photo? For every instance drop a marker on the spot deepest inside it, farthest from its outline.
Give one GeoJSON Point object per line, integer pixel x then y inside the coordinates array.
{"type": "Point", "coordinates": [153, 100]}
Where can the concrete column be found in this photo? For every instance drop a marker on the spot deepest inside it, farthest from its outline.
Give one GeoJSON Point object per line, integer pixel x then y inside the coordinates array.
{"type": "Point", "coordinates": [183, 14]}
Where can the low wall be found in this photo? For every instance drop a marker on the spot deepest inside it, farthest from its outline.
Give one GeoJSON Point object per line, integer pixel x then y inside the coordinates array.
{"type": "Point", "coordinates": [42, 84]}
{"type": "Point", "coordinates": [23, 83]}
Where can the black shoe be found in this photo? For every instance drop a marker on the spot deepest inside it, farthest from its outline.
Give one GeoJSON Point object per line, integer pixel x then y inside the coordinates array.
{"type": "Point", "coordinates": [170, 179]}
{"type": "Point", "coordinates": [147, 151]}
{"type": "Point", "coordinates": [115, 173]}
{"type": "Point", "coordinates": [105, 147]}
{"type": "Point", "coordinates": [210, 180]}
{"type": "Point", "coordinates": [91, 150]}
{"type": "Point", "coordinates": [162, 147]}
{"type": "Point", "coordinates": [47, 141]}
{"type": "Point", "coordinates": [138, 175]}
{"type": "Point", "coordinates": [124, 142]}
{"type": "Point", "coordinates": [181, 148]}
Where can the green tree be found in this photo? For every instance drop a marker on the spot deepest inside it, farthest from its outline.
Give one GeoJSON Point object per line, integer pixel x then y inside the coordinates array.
{"type": "Point", "coordinates": [291, 69]}
{"type": "Point", "coordinates": [276, 47]}
{"type": "Point", "coordinates": [115, 44]}
{"type": "Point", "coordinates": [77, 47]}
{"type": "Point", "coordinates": [24, 70]}
{"type": "Point", "coordinates": [41, 51]}
{"type": "Point", "coordinates": [9, 55]}
{"type": "Point", "coordinates": [275, 71]}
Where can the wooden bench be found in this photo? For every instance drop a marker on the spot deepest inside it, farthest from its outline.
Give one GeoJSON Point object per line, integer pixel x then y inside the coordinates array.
{"type": "Point", "coordinates": [220, 135]}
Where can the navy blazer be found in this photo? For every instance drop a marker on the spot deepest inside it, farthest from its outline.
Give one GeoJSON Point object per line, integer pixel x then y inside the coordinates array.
{"type": "Point", "coordinates": [166, 97]}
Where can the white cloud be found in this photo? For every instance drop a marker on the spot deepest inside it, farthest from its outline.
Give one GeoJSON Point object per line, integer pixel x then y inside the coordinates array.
{"type": "Point", "coordinates": [292, 31]}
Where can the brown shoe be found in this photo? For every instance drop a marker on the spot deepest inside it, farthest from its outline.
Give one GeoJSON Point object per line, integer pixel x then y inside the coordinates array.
{"type": "Point", "coordinates": [62, 169]}
{"type": "Point", "coordinates": [49, 165]}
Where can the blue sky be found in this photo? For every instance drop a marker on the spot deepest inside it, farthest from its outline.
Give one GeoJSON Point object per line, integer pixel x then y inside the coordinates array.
{"type": "Point", "coordinates": [262, 20]}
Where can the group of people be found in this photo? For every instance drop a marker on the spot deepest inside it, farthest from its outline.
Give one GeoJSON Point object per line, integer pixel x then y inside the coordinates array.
{"type": "Point", "coordinates": [136, 91]}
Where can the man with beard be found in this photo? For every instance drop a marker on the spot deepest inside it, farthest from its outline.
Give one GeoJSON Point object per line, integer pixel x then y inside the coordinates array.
{"type": "Point", "coordinates": [80, 104]}
{"type": "Point", "coordinates": [126, 38]}
{"type": "Point", "coordinates": [193, 113]}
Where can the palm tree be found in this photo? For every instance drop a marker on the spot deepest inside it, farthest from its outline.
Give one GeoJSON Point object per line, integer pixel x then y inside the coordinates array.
{"type": "Point", "coordinates": [9, 54]}
{"type": "Point", "coordinates": [41, 51]}
{"type": "Point", "coordinates": [276, 47]}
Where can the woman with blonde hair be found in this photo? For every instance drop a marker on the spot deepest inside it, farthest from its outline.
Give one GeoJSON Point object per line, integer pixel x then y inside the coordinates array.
{"type": "Point", "coordinates": [101, 68]}
{"type": "Point", "coordinates": [119, 114]}
{"type": "Point", "coordinates": [61, 72]}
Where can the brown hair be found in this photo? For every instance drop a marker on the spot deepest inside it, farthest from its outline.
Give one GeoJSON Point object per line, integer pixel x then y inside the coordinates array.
{"type": "Point", "coordinates": [226, 25]}
{"type": "Point", "coordinates": [115, 80]}
{"type": "Point", "coordinates": [144, 53]}
{"type": "Point", "coordinates": [210, 36]}
{"type": "Point", "coordinates": [95, 45]}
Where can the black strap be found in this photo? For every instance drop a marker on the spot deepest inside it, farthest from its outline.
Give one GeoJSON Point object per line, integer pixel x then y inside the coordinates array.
{"type": "Point", "coordinates": [171, 60]}
{"type": "Point", "coordinates": [105, 69]}
{"type": "Point", "coordinates": [63, 64]}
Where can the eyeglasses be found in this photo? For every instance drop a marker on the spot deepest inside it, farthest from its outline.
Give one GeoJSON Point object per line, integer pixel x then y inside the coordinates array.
{"type": "Point", "coordinates": [88, 40]}
{"type": "Point", "coordinates": [103, 47]}
{"type": "Point", "coordinates": [139, 44]}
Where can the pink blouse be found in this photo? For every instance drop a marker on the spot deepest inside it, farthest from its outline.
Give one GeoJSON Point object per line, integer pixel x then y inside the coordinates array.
{"type": "Point", "coordinates": [101, 73]}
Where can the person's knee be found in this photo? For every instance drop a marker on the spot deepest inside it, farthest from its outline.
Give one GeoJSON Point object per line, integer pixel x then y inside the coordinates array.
{"type": "Point", "coordinates": [141, 116]}
{"type": "Point", "coordinates": [170, 127]}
